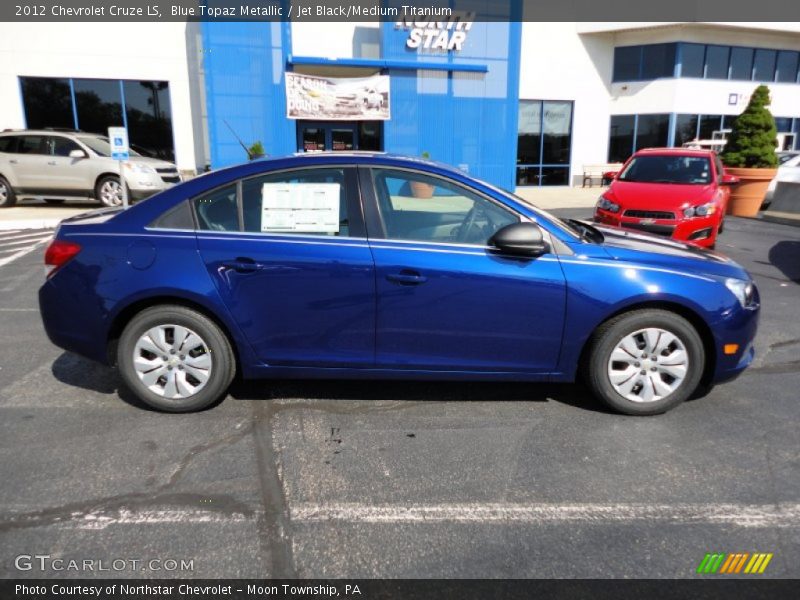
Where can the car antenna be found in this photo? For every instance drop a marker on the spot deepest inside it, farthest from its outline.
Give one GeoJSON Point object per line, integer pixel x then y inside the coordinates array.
{"type": "Point", "coordinates": [238, 139]}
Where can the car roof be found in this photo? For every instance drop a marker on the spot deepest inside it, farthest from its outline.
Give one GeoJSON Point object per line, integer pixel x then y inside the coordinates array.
{"type": "Point", "coordinates": [675, 151]}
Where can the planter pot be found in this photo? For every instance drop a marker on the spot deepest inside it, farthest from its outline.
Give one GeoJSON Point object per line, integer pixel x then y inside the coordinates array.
{"type": "Point", "coordinates": [421, 190]}
{"type": "Point", "coordinates": [748, 194]}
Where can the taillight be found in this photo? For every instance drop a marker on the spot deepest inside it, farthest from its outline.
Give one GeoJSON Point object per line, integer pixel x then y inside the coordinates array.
{"type": "Point", "coordinates": [59, 253]}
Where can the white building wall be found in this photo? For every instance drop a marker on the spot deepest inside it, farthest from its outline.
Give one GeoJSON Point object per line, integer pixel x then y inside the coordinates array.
{"type": "Point", "coordinates": [558, 64]}
{"type": "Point", "coordinates": [155, 51]}
{"type": "Point", "coordinates": [574, 61]}
{"type": "Point", "coordinates": [333, 40]}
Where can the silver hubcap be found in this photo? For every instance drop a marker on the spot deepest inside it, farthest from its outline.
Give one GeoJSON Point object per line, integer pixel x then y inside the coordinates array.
{"type": "Point", "coordinates": [3, 193]}
{"type": "Point", "coordinates": [648, 365]}
{"type": "Point", "coordinates": [172, 361]}
{"type": "Point", "coordinates": [111, 193]}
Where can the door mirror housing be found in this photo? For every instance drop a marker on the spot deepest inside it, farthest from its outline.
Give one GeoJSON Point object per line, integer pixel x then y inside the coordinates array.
{"type": "Point", "coordinates": [77, 153]}
{"type": "Point", "coordinates": [520, 239]}
{"type": "Point", "coordinates": [729, 179]}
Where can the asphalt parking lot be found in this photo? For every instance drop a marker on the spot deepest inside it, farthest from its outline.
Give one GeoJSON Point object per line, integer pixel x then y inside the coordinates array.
{"type": "Point", "coordinates": [383, 479]}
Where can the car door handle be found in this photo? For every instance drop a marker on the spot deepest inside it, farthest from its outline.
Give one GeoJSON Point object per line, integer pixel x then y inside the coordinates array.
{"type": "Point", "coordinates": [51, 162]}
{"type": "Point", "coordinates": [13, 161]}
{"type": "Point", "coordinates": [242, 265]}
{"type": "Point", "coordinates": [406, 277]}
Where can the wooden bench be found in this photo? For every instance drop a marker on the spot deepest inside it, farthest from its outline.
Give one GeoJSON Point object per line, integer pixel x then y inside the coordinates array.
{"type": "Point", "coordinates": [592, 172]}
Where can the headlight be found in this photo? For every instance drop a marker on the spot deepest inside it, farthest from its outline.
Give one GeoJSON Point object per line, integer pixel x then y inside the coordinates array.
{"type": "Point", "coordinates": [139, 168]}
{"type": "Point", "coordinates": [606, 204]}
{"type": "Point", "coordinates": [700, 211]}
{"type": "Point", "coordinates": [743, 290]}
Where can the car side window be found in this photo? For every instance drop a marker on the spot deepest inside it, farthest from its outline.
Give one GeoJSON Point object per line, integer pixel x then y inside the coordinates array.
{"type": "Point", "coordinates": [719, 167]}
{"type": "Point", "coordinates": [417, 207]}
{"type": "Point", "coordinates": [61, 146]}
{"type": "Point", "coordinates": [8, 143]}
{"type": "Point", "coordinates": [217, 210]}
{"type": "Point", "coordinates": [32, 144]}
{"type": "Point", "coordinates": [302, 201]}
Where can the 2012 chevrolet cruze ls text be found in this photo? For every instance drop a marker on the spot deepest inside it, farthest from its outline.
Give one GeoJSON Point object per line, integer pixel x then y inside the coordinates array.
{"type": "Point", "coordinates": [378, 266]}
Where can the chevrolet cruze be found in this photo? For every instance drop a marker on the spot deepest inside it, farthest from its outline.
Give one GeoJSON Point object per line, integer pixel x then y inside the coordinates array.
{"type": "Point", "coordinates": [383, 267]}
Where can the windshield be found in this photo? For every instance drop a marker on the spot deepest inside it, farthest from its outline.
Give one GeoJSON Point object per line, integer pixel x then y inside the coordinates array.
{"type": "Point", "coordinates": [100, 145]}
{"type": "Point", "coordinates": [668, 169]}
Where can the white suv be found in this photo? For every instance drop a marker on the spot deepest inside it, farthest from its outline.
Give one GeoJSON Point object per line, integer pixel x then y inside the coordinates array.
{"type": "Point", "coordinates": [59, 166]}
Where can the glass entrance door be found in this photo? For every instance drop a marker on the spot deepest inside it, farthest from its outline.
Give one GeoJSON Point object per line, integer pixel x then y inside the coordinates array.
{"type": "Point", "coordinates": [316, 137]}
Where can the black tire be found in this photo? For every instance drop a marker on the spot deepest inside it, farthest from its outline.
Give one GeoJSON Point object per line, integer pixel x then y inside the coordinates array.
{"type": "Point", "coordinates": [223, 365]}
{"type": "Point", "coordinates": [7, 196]}
{"type": "Point", "coordinates": [721, 227]}
{"type": "Point", "coordinates": [611, 333]}
{"type": "Point", "coordinates": [98, 190]}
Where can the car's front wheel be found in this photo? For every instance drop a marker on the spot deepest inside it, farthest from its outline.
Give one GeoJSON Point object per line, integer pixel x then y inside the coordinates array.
{"type": "Point", "coordinates": [7, 196]}
{"type": "Point", "coordinates": [175, 359]}
{"type": "Point", "coordinates": [645, 362]}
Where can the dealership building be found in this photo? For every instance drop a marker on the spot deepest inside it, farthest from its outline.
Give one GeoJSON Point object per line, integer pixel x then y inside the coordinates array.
{"type": "Point", "coordinates": [515, 103]}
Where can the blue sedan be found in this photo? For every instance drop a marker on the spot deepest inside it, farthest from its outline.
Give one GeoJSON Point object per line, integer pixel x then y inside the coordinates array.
{"type": "Point", "coordinates": [378, 266]}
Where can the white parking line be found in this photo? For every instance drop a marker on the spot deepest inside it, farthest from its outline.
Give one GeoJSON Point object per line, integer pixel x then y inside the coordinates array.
{"type": "Point", "coordinates": [11, 258]}
{"type": "Point", "coordinates": [27, 235]}
{"type": "Point", "coordinates": [740, 515]}
{"type": "Point", "coordinates": [4, 244]}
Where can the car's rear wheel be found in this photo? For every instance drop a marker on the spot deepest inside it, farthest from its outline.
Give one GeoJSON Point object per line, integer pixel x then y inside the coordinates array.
{"type": "Point", "coordinates": [7, 196]}
{"type": "Point", "coordinates": [175, 359]}
{"type": "Point", "coordinates": [645, 362]}
{"type": "Point", "coordinates": [109, 191]}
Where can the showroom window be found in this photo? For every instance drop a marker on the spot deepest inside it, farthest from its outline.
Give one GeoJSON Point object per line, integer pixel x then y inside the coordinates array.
{"type": "Point", "coordinates": [786, 69]}
{"type": "Point", "coordinates": [709, 61]}
{"type": "Point", "coordinates": [94, 105]}
{"type": "Point", "coordinates": [635, 63]}
{"type": "Point", "coordinates": [629, 133]}
{"type": "Point", "coordinates": [544, 142]}
{"type": "Point", "coordinates": [689, 127]}
{"type": "Point", "coordinates": [48, 102]}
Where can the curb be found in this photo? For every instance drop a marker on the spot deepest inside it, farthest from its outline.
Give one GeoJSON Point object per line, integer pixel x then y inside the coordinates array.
{"type": "Point", "coordinates": [30, 224]}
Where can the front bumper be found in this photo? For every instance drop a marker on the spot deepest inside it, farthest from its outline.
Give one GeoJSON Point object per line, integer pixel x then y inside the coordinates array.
{"type": "Point", "coordinates": [701, 231]}
{"type": "Point", "coordinates": [144, 185]}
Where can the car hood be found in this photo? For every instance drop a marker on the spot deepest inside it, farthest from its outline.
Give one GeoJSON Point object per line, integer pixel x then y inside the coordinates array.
{"type": "Point", "coordinates": [624, 244]}
{"type": "Point", "coordinates": [629, 194]}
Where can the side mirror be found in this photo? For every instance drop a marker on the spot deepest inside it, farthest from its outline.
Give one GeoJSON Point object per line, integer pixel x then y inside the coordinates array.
{"type": "Point", "coordinates": [77, 153]}
{"type": "Point", "coordinates": [729, 179]}
{"type": "Point", "coordinates": [520, 239]}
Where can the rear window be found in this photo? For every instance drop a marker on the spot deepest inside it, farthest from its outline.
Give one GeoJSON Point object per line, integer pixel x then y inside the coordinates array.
{"type": "Point", "coordinates": [668, 169]}
{"type": "Point", "coordinates": [7, 143]}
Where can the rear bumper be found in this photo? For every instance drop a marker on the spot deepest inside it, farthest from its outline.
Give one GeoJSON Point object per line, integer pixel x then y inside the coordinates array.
{"type": "Point", "coordinates": [701, 231]}
{"type": "Point", "coordinates": [60, 315]}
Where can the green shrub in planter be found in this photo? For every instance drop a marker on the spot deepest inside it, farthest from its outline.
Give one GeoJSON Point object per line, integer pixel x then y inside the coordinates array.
{"type": "Point", "coordinates": [753, 138]}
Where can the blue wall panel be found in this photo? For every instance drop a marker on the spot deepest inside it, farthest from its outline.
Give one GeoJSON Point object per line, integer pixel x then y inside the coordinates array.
{"type": "Point", "coordinates": [244, 64]}
{"type": "Point", "coordinates": [468, 120]}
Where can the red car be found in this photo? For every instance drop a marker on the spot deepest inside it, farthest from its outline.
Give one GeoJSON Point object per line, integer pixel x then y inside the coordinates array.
{"type": "Point", "coordinates": [673, 192]}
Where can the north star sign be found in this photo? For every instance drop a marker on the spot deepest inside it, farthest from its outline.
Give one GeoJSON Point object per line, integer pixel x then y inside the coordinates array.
{"type": "Point", "coordinates": [437, 35]}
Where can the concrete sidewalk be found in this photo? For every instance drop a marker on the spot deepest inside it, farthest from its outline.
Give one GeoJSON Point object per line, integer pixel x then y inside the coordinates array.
{"type": "Point", "coordinates": [549, 198]}
{"type": "Point", "coordinates": [36, 214]}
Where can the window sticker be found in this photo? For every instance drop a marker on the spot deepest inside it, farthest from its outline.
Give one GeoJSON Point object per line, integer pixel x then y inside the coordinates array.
{"type": "Point", "coordinates": [300, 207]}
